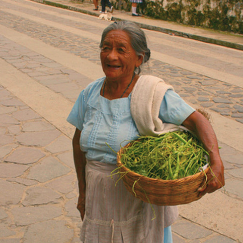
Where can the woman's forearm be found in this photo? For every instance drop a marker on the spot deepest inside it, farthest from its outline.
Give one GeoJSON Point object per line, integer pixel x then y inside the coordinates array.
{"type": "Point", "coordinates": [198, 124]}
{"type": "Point", "coordinates": [79, 160]}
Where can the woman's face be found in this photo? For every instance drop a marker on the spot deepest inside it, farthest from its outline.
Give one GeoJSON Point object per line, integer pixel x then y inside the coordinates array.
{"type": "Point", "coordinates": [118, 58]}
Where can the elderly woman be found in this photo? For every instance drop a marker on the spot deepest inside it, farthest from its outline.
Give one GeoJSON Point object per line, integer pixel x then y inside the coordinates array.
{"type": "Point", "coordinates": [102, 116]}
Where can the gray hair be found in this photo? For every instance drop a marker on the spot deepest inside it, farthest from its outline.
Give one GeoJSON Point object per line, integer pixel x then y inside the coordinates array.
{"type": "Point", "coordinates": [137, 37]}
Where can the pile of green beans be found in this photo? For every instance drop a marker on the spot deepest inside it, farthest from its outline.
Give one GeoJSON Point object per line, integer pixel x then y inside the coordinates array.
{"type": "Point", "coordinates": [169, 156]}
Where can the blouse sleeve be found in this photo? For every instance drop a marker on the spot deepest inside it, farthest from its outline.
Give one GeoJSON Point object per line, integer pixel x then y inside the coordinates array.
{"type": "Point", "coordinates": [174, 109]}
{"type": "Point", "coordinates": [76, 116]}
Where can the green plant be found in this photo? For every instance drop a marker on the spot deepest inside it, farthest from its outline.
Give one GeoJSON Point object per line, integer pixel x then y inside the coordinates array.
{"type": "Point", "coordinates": [226, 16]}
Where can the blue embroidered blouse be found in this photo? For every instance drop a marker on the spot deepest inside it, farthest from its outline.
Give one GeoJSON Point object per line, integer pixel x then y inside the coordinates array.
{"type": "Point", "coordinates": [107, 125]}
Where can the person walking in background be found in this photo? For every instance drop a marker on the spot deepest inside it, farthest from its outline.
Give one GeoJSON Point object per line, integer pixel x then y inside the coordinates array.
{"type": "Point", "coordinates": [96, 5]}
{"type": "Point", "coordinates": [134, 7]}
{"type": "Point", "coordinates": [105, 3]}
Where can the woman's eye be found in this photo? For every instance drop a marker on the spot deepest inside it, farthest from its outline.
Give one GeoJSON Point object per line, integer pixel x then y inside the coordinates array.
{"type": "Point", "coordinates": [105, 48]}
{"type": "Point", "coordinates": [121, 50]}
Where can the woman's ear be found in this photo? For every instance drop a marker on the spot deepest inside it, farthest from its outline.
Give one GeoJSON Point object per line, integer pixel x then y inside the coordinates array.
{"type": "Point", "coordinates": [139, 60]}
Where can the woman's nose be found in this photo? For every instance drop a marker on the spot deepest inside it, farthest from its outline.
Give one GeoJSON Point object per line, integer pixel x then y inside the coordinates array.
{"type": "Point", "coordinates": [112, 54]}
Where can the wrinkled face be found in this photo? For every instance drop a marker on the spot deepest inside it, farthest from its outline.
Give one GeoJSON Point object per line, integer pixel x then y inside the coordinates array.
{"type": "Point", "coordinates": [118, 58]}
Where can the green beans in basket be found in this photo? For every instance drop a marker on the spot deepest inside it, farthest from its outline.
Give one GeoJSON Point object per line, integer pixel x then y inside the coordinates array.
{"type": "Point", "coordinates": [170, 156]}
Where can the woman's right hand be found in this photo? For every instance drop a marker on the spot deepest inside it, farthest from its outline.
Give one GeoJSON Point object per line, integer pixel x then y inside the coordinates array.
{"type": "Point", "coordinates": [81, 205]}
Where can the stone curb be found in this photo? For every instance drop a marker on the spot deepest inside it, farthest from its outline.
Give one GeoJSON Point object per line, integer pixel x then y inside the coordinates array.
{"type": "Point", "coordinates": [150, 27]}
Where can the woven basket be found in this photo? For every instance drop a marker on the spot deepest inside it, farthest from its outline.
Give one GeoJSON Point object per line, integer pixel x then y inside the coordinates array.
{"type": "Point", "coordinates": [161, 192]}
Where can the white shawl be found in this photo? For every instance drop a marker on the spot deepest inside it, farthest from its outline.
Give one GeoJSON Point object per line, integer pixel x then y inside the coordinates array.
{"type": "Point", "coordinates": [146, 98]}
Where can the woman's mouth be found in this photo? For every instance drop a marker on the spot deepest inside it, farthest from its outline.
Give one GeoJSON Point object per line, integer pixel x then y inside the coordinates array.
{"type": "Point", "coordinates": [113, 66]}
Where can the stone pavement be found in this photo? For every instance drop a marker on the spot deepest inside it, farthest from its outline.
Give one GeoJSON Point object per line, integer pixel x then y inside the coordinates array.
{"type": "Point", "coordinates": [168, 27]}
{"type": "Point", "coordinates": [223, 98]}
{"type": "Point", "coordinates": [38, 183]}
{"type": "Point", "coordinates": [39, 191]}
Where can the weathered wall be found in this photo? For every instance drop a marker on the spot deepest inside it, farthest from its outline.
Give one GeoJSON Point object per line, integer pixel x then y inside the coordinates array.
{"type": "Point", "coordinates": [225, 15]}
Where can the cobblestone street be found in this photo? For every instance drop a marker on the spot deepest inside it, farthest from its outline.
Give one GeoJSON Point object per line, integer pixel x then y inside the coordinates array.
{"type": "Point", "coordinates": [198, 89]}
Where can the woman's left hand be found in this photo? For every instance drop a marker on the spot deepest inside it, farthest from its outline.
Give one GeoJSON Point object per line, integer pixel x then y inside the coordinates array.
{"type": "Point", "coordinates": [214, 179]}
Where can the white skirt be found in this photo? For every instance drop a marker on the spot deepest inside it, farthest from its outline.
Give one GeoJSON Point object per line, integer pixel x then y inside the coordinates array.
{"type": "Point", "coordinates": [112, 214]}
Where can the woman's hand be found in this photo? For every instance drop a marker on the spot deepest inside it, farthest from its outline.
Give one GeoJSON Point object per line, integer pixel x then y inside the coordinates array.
{"type": "Point", "coordinates": [214, 179]}
{"type": "Point", "coordinates": [81, 204]}
{"type": "Point", "coordinates": [198, 124]}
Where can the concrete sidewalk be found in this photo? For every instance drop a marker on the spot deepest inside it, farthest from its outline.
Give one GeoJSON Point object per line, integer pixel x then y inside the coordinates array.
{"type": "Point", "coordinates": [206, 35]}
